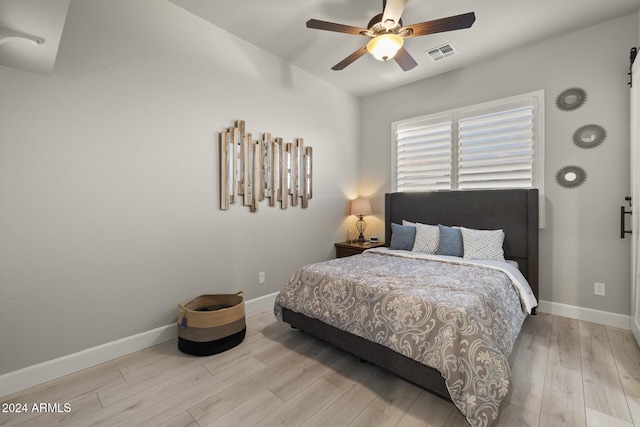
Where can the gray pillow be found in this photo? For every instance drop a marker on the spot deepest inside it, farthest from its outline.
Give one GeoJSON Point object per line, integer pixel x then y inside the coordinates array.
{"type": "Point", "coordinates": [402, 237]}
{"type": "Point", "coordinates": [450, 241]}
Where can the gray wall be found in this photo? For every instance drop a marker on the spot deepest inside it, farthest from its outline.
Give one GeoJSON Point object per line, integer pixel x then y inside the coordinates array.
{"type": "Point", "coordinates": [109, 177]}
{"type": "Point", "coordinates": [580, 244]}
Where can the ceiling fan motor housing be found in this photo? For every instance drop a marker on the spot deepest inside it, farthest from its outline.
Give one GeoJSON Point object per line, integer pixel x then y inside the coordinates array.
{"type": "Point", "coordinates": [376, 25]}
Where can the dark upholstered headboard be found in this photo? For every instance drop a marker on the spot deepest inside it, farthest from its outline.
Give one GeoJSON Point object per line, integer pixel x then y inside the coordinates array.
{"type": "Point", "coordinates": [514, 211]}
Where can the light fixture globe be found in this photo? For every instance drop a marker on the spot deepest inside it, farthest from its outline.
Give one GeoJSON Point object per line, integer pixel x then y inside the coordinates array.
{"type": "Point", "coordinates": [385, 46]}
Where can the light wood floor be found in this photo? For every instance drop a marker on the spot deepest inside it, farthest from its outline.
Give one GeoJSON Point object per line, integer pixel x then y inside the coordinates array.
{"type": "Point", "coordinates": [565, 373]}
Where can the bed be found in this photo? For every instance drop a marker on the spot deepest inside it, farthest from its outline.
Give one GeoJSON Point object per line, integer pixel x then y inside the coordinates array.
{"type": "Point", "coordinates": [444, 323]}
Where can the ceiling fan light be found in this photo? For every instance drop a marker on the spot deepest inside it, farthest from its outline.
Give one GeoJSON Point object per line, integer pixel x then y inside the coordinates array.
{"type": "Point", "coordinates": [385, 46]}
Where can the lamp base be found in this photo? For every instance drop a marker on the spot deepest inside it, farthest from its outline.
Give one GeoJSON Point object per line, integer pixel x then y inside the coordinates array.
{"type": "Point", "coordinates": [360, 226]}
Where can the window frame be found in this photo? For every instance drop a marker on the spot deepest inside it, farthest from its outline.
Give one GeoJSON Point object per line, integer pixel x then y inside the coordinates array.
{"type": "Point", "coordinates": [536, 99]}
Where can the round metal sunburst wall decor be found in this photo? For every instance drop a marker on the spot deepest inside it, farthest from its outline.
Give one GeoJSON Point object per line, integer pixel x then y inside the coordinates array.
{"type": "Point", "coordinates": [571, 176]}
{"type": "Point", "coordinates": [571, 99]}
{"type": "Point", "coordinates": [589, 136]}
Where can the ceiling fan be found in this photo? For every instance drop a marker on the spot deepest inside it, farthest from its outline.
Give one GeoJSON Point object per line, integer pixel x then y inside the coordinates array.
{"type": "Point", "coordinates": [387, 33]}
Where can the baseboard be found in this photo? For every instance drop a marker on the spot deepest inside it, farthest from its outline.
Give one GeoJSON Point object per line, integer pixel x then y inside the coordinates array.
{"type": "Point", "coordinates": [260, 303]}
{"type": "Point", "coordinates": [30, 376]}
{"type": "Point", "coordinates": [587, 314]}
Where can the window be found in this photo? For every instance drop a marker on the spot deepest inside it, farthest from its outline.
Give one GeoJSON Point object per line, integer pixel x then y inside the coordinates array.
{"type": "Point", "coordinates": [499, 144]}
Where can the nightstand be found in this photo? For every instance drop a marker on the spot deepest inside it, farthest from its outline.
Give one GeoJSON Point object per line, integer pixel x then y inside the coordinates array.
{"type": "Point", "coordinates": [347, 249]}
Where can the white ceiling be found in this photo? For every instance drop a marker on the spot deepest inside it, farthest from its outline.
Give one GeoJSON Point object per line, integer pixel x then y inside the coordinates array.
{"type": "Point", "coordinates": [279, 27]}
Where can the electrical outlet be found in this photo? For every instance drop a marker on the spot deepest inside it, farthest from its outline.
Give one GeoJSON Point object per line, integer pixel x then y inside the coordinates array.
{"type": "Point", "coordinates": [261, 277]}
{"type": "Point", "coordinates": [599, 289]}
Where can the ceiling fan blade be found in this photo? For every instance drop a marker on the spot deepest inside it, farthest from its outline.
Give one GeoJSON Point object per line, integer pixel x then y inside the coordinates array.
{"type": "Point", "coordinates": [349, 59]}
{"type": "Point", "coordinates": [451, 23]}
{"type": "Point", "coordinates": [405, 60]}
{"type": "Point", "coordinates": [393, 11]}
{"type": "Point", "coordinates": [332, 26]}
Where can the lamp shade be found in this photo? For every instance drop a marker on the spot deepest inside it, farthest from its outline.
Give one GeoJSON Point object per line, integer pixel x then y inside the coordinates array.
{"type": "Point", "coordinates": [385, 46]}
{"type": "Point", "coordinates": [360, 207]}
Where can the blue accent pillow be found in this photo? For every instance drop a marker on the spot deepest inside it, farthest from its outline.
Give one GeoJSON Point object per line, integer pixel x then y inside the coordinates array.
{"type": "Point", "coordinates": [450, 241]}
{"type": "Point", "coordinates": [402, 236]}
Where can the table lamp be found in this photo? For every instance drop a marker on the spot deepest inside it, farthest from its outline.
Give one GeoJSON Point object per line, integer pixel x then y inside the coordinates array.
{"type": "Point", "coordinates": [361, 207]}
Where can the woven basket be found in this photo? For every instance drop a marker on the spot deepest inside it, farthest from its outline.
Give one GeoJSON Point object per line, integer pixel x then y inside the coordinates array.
{"type": "Point", "coordinates": [210, 324]}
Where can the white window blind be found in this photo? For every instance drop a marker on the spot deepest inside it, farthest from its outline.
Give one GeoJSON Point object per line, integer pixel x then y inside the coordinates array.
{"type": "Point", "coordinates": [424, 155]}
{"type": "Point", "coordinates": [493, 145]}
{"type": "Point", "coordinates": [496, 150]}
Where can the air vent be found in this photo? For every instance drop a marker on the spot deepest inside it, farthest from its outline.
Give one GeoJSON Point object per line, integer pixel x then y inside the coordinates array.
{"type": "Point", "coordinates": [441, 52]}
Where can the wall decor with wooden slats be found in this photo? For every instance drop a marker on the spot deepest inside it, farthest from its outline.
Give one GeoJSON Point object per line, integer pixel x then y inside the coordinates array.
{"type": "Point", "coordinates": [265, 168]}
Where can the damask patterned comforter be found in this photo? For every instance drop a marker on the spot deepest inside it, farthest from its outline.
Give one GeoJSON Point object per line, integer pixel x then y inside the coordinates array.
{"type": "Point", "coordinates": [457, 317]}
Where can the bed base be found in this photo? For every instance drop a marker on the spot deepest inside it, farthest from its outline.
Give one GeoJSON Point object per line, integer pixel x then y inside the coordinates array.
{"type": "Point", "coordinates": [417, 373]}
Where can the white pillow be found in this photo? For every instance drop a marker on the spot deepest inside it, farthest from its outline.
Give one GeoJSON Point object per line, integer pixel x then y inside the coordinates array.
{"type": "Point", "coordinates": [482, 244]}
{"type": "Point", "coordinates": [427, 238]}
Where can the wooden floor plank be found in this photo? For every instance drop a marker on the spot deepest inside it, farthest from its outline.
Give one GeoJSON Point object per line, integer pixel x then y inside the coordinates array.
{"type": "Point", "coordinates": [184, 419]}
{"type": "Point", "coordinates": [123, 409]}
{"type": "Point", "coordinates": [514, 416]}
{"type": "Point", "coordinates": [300, 408]}
{"type": "Point", "coordinates": [225, 400]}
{"type": "Point", "coordinates": [598, 419]}
{"type": "Point", "coordinates": [526, 390]}
{"type": "Point", "coordinates": [346, 406]}
{"type": "Point", "coordinates": [456, 419]}
{"type": "Point", "coordinates": [171, 367]}
{"type": "Point", "coordinates": [389, 406]}
{"type": "Point", "coordinates": [250, 412]}
{"type": "Point", "coordinates": [266, 316]}
{"type": "Point", "coordinates": [602, 386]}
{"type": "Point", "coordinates": [227, 360]}
{"type": "Point", "coordinates": [428, 410]}
{"type": "Point", "coordinates": [563, 403]}
{"type": "Point", "coordinates": [634, 408]}
{"type": "Point", "coordinates": [627, 356]}
{"type": "Point", "coordinates": [539, 325]}
{"type": "Point", "coordinates": [299, 379]}
{"type": "Point", "coordinates": [148, 360]}
{"type": "Point", "coordinates": [183, 400]}
{"type": "Point", "coordinates": [564, 349]}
